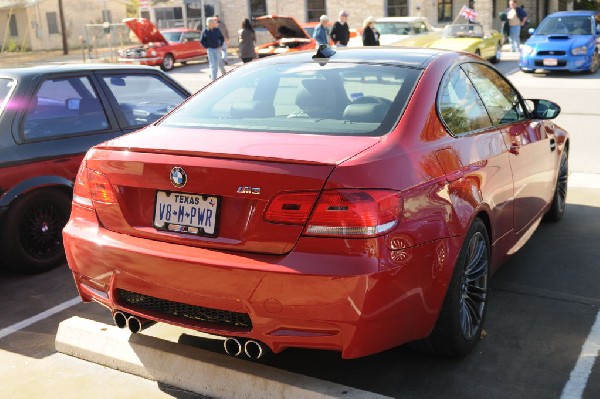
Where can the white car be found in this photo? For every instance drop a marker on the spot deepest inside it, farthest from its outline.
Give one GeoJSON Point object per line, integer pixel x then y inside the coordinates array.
{"type": "Point", "coordinates": [402, 31]}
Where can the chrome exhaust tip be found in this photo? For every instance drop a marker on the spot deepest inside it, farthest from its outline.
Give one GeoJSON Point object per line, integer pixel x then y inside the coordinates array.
{"type": "Point", "coordinates": [233, 347]}
{"type": "Point", "coordinates": [120, 319]}
{"type": "Point", "coordinates": [255, 349]}
{"type": "Point", "coordinates": [136, 324]}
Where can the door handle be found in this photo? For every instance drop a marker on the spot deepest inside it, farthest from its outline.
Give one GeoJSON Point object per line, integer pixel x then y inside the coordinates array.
{"type": "Point", "coordinates": [552, 144]}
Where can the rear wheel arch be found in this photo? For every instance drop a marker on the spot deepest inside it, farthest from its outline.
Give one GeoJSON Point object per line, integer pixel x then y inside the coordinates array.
{"type": "Point", "coordinates": [36, 183]}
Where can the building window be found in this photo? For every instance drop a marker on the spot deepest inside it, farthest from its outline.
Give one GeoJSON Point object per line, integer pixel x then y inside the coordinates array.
{"type": "Point", "coordinates": [258, 8]}
{"type": "Point", "coordinates": [397, 8]}
{"type": "Point", "coordinates": [14, 31]}
{"type": "Point", "coordinates": [52, 21]}
{"type": "Point", "coordinates": [314, 9]}
{"type": "Point", "coordinates": [444, 10]}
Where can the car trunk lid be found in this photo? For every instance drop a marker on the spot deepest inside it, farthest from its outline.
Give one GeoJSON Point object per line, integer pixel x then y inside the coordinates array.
{"type": "Point", "coordinates": [239, 175]}
{"type": "Point", "coordinates": [282, 27]}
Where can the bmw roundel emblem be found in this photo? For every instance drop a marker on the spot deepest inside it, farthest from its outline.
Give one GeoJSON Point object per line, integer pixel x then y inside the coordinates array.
{"type": "Point", "coordinates": [178, 176]}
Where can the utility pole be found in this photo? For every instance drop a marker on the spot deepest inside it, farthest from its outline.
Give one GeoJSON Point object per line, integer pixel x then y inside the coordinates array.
{"type": "Point", "coordinates": [63, 28]}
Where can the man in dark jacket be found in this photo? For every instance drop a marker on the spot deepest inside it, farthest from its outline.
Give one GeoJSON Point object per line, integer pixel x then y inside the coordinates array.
{"type": "Point", "coordinates": [212, 40]}
{"type": "Point", "coordinates": [340, 33]}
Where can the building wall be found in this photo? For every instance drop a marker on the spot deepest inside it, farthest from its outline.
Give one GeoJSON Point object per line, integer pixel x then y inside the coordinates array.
{"type": "Point", "coordinates": [6, 39]}
{"type": "Point", "coordinates": [33, 26]}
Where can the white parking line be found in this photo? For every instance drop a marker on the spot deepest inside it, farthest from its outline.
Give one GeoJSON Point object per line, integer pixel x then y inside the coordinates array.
{"type": "Point", "coordinates": [583, 368]}
{"type": "Point", "coordinates": [38, 317]}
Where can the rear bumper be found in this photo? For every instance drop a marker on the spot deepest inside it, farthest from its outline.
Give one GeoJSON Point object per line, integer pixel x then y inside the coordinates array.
{"type": "Point", "coordinates": [570, 63]}
{"type": "Point", "coordinates": [354, 303]}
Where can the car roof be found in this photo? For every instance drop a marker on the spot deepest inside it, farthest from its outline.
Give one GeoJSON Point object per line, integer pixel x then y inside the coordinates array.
{"type": "Point", "coordinates": [573, 13]}
{"type": "Point", "coordinates": [401, 56]}
{"type": "Point", "coordinates": [69, 68]}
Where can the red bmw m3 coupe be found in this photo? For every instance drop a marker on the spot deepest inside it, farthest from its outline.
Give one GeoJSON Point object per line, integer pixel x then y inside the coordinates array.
{"type": "Point", "coordinates": [351, 201]}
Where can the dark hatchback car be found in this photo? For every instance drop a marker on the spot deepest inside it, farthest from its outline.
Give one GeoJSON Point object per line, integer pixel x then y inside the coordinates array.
{"type": "Point", "coordinates": [49, 117]}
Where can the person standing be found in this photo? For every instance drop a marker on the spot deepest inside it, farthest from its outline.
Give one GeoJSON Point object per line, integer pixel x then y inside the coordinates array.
{"type": "Point", "coordinates": [225, 33]}
{"type": "Point", "coordinates": [321, 35]}
{"type": "Point", "coordinates": [370, 35]}
{"type": "Point", "coordinates": [212, 40]}
{"type": "Point", "coordinates": [340, 33]}
{"type": "Point", "coordinates": [517, 17]}
{"type": "Point", "coordinates": [247, 39]}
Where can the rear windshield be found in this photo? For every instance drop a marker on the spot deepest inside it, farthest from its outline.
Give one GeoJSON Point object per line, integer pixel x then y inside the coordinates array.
{"type": "Point", "coordinates": [333, 99]}
{"type": "Point", "coordinates": [570, 25]}
{"type": "Point", "coordinates": [6, 88]}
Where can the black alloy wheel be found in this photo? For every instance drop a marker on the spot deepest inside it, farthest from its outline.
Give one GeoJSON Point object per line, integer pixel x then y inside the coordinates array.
{"type": "Point", "coordinates": [32, 233]}
{"type": "Point", "coordinates": [461, 319]}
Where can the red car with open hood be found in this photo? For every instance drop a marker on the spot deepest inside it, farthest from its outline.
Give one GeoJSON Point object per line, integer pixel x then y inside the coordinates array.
{"type": "Point", "coordinates": [161, 48]}
{"type": "Point", "coordinates": [289, 36]}
{"type": "Point", "coordinates": [350, 201]}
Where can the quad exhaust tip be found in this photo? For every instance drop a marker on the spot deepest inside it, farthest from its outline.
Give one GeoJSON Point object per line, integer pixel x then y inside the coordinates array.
{"type": "Point", "coordinates": [233, 347]}
{"type": "Point", "coordinates": [133, 323]}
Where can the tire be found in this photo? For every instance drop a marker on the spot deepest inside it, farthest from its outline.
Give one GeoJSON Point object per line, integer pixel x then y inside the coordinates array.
{"type": "Point", "coordinates": [526, 70]}
{"type": "Point", "coordinates": [168, 62]}
{"type": "Point", "coordinates": [461, 318]}
{"type": "Point", "coordinates": [557, 208]}
{"type": "Point", "coordinates": [31, 235]}
{"type": "Point", "coordinates": [595, 63]}
{"type": "Point", "coordinates": [496, 58]}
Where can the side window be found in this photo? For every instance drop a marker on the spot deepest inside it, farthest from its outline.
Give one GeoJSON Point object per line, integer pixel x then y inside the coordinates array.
{"type": "Point", "coordinates": [502, 102]}
{"type": "Point", "coordinates": [63, 107]}
{"type": "Point", "coordinates": [460, 106]}
{"type": "Point", "coordinates": [192, 37]}
{"type": "Point", "coordinates": [420, 27]}
{"type": "Point", "coordinates": [143, 98]}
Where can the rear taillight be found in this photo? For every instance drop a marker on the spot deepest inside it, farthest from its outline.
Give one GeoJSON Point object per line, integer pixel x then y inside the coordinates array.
{"type": "Point", "coordinates": [358, 213]}
{"type": "Point", "coordinates": [291, 208]}
{"type": "Point", "coordinates": [81, 190]}
{"type": "Point", "coordinates": [92, 186]}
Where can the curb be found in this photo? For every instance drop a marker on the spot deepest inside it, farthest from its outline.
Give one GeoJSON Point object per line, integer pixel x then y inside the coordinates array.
{"type": "Point", "coordinates": [189, 368]}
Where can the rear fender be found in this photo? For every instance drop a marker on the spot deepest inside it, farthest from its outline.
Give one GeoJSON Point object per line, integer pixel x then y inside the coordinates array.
{"type": "Point", "coordinates": [32, 184]}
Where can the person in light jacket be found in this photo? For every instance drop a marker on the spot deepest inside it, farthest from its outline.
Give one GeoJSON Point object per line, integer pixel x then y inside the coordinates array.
{"type": "Point", "coordinates": [247, 39]}
{"type": "Point", "coordinates": [321, 35]}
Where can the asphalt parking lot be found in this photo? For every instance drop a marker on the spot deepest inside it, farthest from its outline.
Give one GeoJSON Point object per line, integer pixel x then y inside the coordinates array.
{"type": "Point", "coordinates": [544, 303]}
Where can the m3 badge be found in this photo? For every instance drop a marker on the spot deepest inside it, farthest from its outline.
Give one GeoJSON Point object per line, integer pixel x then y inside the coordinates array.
{"type": "Point", "coordinates": [248, 190]}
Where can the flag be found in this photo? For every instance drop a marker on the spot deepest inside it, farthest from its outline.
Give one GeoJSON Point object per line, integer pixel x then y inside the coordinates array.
{"type": "Point", "coordinates": [468, 13]}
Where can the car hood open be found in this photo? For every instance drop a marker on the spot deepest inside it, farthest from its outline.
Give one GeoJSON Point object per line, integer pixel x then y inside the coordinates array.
{"type": "Point", "coordinates": [145, 30]}
{"type": "Point", "coordinates": [282, 27]}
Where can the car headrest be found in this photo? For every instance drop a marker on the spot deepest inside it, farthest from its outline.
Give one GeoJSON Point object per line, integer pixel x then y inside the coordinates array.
{"type": "Point", "coordinates": [315, 94]}
{"type": "Point", "coordinates": [89, 106]}
{"type": "Point", "coordinates": [367, 113]}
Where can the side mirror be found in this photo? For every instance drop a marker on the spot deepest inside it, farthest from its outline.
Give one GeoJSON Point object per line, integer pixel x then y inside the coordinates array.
{"type": "Point", "coordinates": [543, 109]}
{"type": "Point", "coordinates": [531, 30]}
{"type": "Point", "coordinates": [73, 104]}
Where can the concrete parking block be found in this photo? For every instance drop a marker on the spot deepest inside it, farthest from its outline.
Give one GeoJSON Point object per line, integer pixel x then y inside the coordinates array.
{"type": "Point", "coordinates": [190, 368]}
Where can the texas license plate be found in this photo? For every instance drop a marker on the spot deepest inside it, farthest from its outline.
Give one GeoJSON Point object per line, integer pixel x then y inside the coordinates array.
{"type": "Point", "coordinates": [186, 213]}
{"type": "Point", "coordinates": [550, 62]}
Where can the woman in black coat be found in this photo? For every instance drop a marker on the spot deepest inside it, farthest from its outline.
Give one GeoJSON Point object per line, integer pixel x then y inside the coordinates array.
{"type": "Point", "coordinates": [370, 35]}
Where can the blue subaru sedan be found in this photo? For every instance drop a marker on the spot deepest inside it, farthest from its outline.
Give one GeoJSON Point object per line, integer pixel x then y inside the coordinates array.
{"type": "Point", "coordinates": [563, 41]}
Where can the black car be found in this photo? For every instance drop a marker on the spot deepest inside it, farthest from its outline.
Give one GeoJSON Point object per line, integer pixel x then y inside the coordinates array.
{"type": "Point", "coordinates": [49, 117]}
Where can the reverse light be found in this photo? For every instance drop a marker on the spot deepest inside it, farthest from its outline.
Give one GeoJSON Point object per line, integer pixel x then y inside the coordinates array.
{"type": "Point", "coordinates": [291, 208]}
{"type": "Point", "coordinates": [357, 213]}
{"type": "Point", "coordinates": [581, 50]}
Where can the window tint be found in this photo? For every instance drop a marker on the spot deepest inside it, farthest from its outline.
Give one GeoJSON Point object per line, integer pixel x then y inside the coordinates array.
{"type": "Point", "coordinates": [335, 99]}
{"type": "Point", "coordinates": [62, 107]}
{"type": "Point", "coordinates": [143, 98]}
{"type": "Point", "coordinates": [460, 106]}
{"type": "Point", "coordinates": [499, 98]}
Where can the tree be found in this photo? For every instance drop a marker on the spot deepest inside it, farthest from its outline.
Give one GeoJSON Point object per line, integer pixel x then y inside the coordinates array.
{"type": "Point", "coordinates": [133, 7]}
